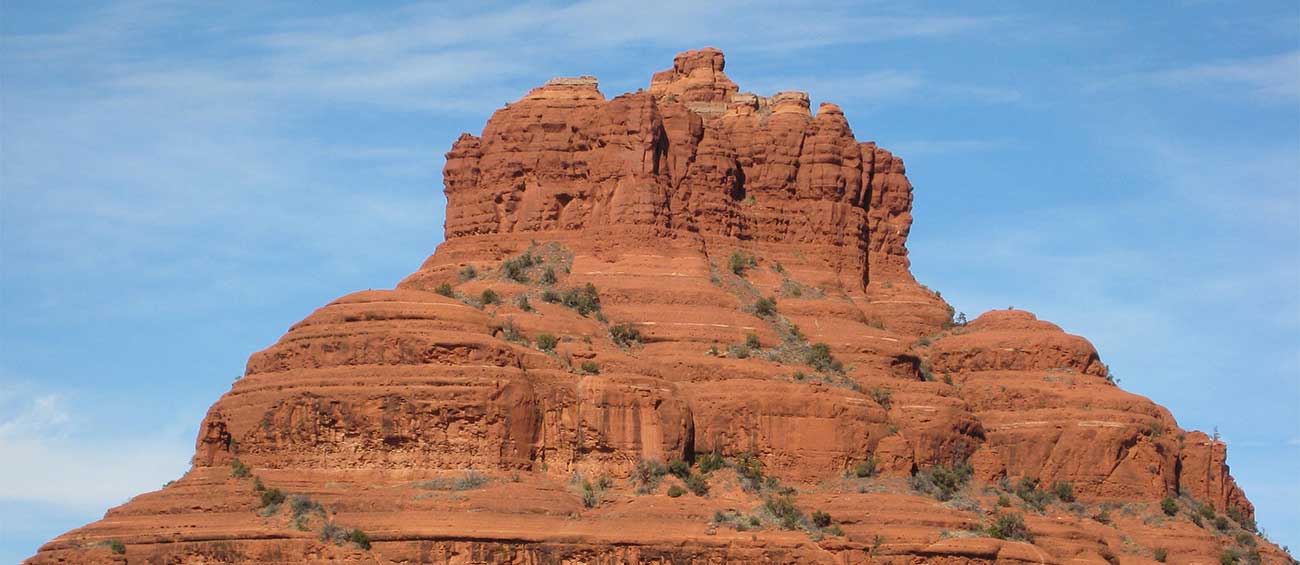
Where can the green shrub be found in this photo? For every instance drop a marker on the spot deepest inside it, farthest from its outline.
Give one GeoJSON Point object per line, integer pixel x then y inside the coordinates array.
{"type": "Point", "coordinates": [740, 261]}
{"type": "Point", "coordinates": [1009, 527]}
{"type": "Point", "coordinates": [784, 512]}
{"type": "Point", "coordinates": [445, 289]}
{"type": "Point", "coordinates": [647, 475]}
{"type": "Point", "coordinates": [710, 462]}
{"type": "Point", "coordinates": [239, 470]}
{"type": "Point", "coordinates": [1034, 498]}
{"type": "Point", "coordinates": [750, 470]}
{"type": "Point", "coordinates": [1169, 506]}
{"type": "Point", "coordinates": [697, 484]}
{"type": "Point", "coordinates": [882, 397]}
{"type": "Point", "coordinates": [257, 484]}
{"type": "Point", "coordinates": [676, 491]}
{"type": "Point", "coordinates": [1221, 523]}
{"type": "Point", "coordinates": [821, 519]}
{"type": "Point", "coordinates": [516, 267]}
{"type": "Point", "coordinates": [941, 481]}
{"type": "Point", "coordinates": [1004, 501]}
{"type": "Point", "coordinates": [1160, 554]}
{"type": "Point", "coordinates": [359, 538]}
{"type": "Point", "coordinates": [468, 272]}
{"type": "Point", "coordinates": [547, 342]}
{"type": "Point", "coordinates": [1228, 557]}
{"type": "Point", "coordinates": [301, 505]}
{"type": "Point", "coordinates": [625, 335]}
{"type": "Point", "coordinates": [765, 306]}
{"type": "Point", "coordinates": [1206, 511]}
{"type": "Point", "coordinates": [591, 494]}
{"type": "Point", "coordinates": [1103, 516]}
{"type": "Point", "coordinates": [272, 496]}
{"type": "Point", "coordinates": [468, 481]}
{"type": "Point", "coordinates": [819, 358]}
{"type": "Point", "coordinates": [679, 469]}
{"type": "Point", "coordinates": [1064, 491]}
{"type": "Point", "coordinates": [117, 547]}
{"type": "Point", "coordinates": [590, 368]}
{"type": "Point", "coordinates": [522, 302]}
{"type": "Point", "coordinates": [489, 296]}
{"type": "Point", "coordinates": [548, 276]}
{"type": "Point", "coordinates": [1243, 520]}
{"type": "Point", "coordinates": [865, 468]}
{"type": "Point", "coordinates": [584, 300]}
{"type": "Point", "coordinates": [551, 297]}
{"type": "Point", "coordinates": [738, 351]}
{"type": "Point", "coordinates": [751, 341]}
{"type": "Point", "coordinates": [333, 533]}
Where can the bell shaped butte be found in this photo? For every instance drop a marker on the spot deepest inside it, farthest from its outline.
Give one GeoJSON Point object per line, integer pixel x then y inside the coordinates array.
{"type": "Point", "coordinates": [678, 326]}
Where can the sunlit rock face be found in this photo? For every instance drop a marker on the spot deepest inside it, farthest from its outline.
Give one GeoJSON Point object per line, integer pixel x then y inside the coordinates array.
{"type": "Point", "coordinates": [686, 273]}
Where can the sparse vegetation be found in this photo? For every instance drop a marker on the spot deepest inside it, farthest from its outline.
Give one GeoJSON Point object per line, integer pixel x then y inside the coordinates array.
{"type": "Point", "coordinates": [865, 468]}
{"type": "Point", "coordinates": [239, 470]}
{"type": "Point", "coordinates": [679, 469]}
{"type": "Point", "coordinates": [710, 462]}
{"type": "Point", "coordinates": [765, 307]}
{"type": "Point", "coordinates": [1004, 501]}
{"type": "Point", "coordinates": [470, 480]}
{"type": "Point", "coordinates": [882, 397]}
{"type": "Point", "coordinates": [1169, 506]}
{"type": "Point", "coordinates": [647, 475]}
{"type": "Point", "coordinates": [752, 342]}
{"type": "Point", "coordinates": [590, 368]}
{"type": "Point", "coordinates": [821, 519]}
{"type": "Point", "coordinates": [738, 351]}
{"type": "Point", "coordinates": [739, 262]}
{"type": "Point", "coordinates": [625, 335]}
{"type": "Point", "coordinates": [117, 547]}
{"type": "Point", "coordinates": [523, 303]}
{"type": "Point", "coordinates": [548, 276]}
{"type": "Point", "coordinates": [941, 481]}
{"type": "Point", "coordinates": [819, 358]}
{"type": "Point", "coordinates": [697, 484]}
{"type": "Point", "coordinates": [489, 297]}
{"type": "Point", "coordinates": [272, 497]}
{"type": "Point", "coordinates": [1034, 498]}
{"type": "Point", "coordinates": [1160, 554]}
{"type": "Point", "coordinates": [1009, 527]}
{"type": "Point", "coordinates": [783, 510]}
{"type": "Point", "coordinates": [468, 273]}
{"type": "Point", "coordinates": [583, 300]}
{"type": "Point", "coordinates": [445, 289]}
{"type": "Point", "coordinates": [547, 342]}
{"type": "Point", "coordinates": [359, 539]}
{"type": "Point", "coordinates": [515, 268]}
{"type": "Point", "coordinates": [676, 491]}
{"type": "Point", "coordinates": [594, 494]}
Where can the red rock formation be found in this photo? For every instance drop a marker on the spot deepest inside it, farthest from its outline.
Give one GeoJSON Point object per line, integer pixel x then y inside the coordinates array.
{"type": "Point", "coordinates": [452, 427]}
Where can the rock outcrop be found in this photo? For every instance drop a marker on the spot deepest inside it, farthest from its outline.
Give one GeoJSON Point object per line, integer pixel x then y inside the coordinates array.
{"type": "Point", "coordinates": [687, 273]}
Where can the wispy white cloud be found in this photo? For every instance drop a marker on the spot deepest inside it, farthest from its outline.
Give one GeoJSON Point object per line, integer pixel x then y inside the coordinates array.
{"type": "Point", "coordinates": [1273, 78]}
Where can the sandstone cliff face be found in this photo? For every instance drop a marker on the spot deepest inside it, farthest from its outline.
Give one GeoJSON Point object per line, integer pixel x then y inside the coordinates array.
{"type": "Point", "coordinates": [687, 273]}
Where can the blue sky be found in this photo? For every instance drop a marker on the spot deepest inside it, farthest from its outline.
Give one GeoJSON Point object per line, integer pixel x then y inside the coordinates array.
{"type": "Point", "coordinates": [180, 183]}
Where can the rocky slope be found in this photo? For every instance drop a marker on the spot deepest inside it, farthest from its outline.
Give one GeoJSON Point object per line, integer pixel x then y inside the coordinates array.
{"type": "Point", "coordinates": [678, 325]}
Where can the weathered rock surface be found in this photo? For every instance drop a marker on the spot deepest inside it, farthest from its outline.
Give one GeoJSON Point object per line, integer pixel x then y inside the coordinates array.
{"type": "Point", "coordinates": [442, 424]}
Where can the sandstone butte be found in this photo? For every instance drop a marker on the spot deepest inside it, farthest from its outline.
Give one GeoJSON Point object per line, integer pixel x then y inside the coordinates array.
{"type": "Point", "coordinates": [682, 274]}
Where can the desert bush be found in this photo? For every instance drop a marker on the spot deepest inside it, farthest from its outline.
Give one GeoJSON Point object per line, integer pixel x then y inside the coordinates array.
{"type": "Point", "coordinates": [470, 480]}
{"type": "Point", "coordinates": [548, 276]}
{"type": "Point", "coordinates": [239, 470]}
{"type": "Point", "coordinates": [882, 397]}
{"type": "Point", "coordinates": [784, 512]}
{"type": "Point", "coordinates": [750, 470]}
{"type": "Point", "coordinates": [489, 297]}
{"type": "Point", "coordinates": [738, 351]}
{"type": "Point", "coordinates": [359, 538]}
{"type": "Point", "coordinates": [765, 306]}
{"type": "Point", "coordinates": [625, 335]}
{"type": "Point", "coordinates": [468, 272]}
{"type": "Point", "coordinates": [647, 475]}
{"type": "Point", "coordinates": [676, 491]}
{"type": "Point", "coordinates": [1242, 519]}
{"type": "Point", "coordinates": [1221, 522]}
{"type": "Point", "coordinates": [547, 342]}
{"type": "Point", "coordinates": [301, 505]}
{"type": "Point", "coordinates": [865, 468]}
{"type": "Point", "coordinates": [583, 300]}
{"type": "Point", "coordinates": [739, 262]}
{"type": "Point", "coordinates": [516, 268]}
{"type": "Point", "coordinates": [523, 303]}
{"type": "Point", "coordinates": [117, 547]}
{"type": "Point", "coordinates": [941, 481]}
{"type": "Point", "coordinates": [551, 297]}
{"type": "Point", "coordinates": [1009, 527]}
{"type": "Point", "coordinates": [752, 342]}
{"type": "Point", "coordinates": [1169, 506]}
{"type": "Point", "coordinates": [697, 484]}
{"type": "Point", "coordinates": [1160, 554]}
{"type": "Point", "coordinates": [821, 519]}
{"type": "Point", "coordinates": [271, 497]}
{"type": "Point", "coordinates": [710, 462]}
{"type": "Point", "coordinates": [445, 289]}
{"type": "Point", "coordinates": [819, 358]}
{"type": "Point", "coordinates": [1029, 492]}
{"type": "Point", "coordinates": [1004, 501]}
{"type": "Point", "coordinates": [679, 469]}
{"type": "Point", "coordinates": [590, 368]}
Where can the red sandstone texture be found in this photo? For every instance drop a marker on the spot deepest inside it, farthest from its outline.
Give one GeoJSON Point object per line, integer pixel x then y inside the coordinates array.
{"type": "Point", "coordinates": [753, 316]}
